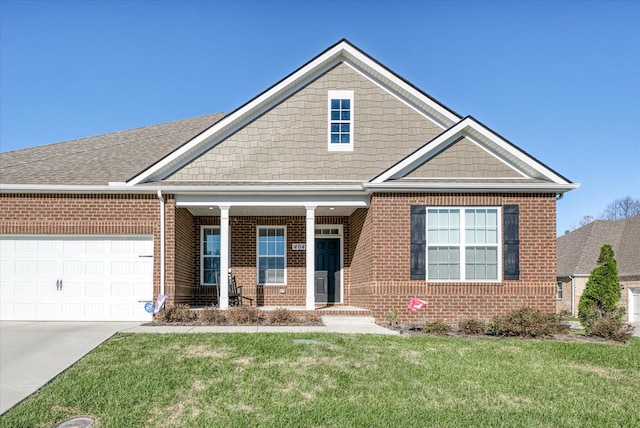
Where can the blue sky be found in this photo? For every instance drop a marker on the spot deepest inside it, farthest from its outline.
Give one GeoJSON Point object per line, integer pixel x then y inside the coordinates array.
{"type": "Point", "coordinates": [561, 80]}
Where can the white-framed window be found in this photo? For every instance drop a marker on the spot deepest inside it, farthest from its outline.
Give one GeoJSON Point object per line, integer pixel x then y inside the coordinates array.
{"type": "Point", "coordinates": [559, 291]}
{"type": "Point", "coordinates": [463, 244]}
{"type": "Point", "coordinates": [210, 255]}
{"type": "Point", "coordinates": [272, 255]}
{"type": "Point", "coordinates": [340, 120]}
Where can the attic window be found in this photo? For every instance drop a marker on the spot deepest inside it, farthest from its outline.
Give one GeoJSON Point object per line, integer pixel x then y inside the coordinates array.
{"type": "Point", "coordinates": [340, 121]}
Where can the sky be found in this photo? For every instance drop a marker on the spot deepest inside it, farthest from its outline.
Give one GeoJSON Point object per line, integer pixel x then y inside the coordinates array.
{"type": "Point", "coordinates": [559, 79]}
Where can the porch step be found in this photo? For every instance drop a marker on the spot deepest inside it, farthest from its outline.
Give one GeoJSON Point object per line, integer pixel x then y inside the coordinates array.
{"type": "Point", "coordinates": [331, 320]}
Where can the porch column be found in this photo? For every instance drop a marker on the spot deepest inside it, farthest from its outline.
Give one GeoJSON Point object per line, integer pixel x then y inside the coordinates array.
{"type": "Point", "coordinates": [224, 257]}
{"type": "Point", "coordinates": [311, 257]}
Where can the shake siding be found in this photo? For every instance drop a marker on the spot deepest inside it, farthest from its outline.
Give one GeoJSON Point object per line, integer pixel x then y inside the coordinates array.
{"type": "Point", "coordinates": [289, 142]}
{"type": "Point", "coordinates": [464, 159]}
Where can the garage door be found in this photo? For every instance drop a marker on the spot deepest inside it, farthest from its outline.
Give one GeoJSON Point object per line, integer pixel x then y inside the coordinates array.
{"type": "Point", "coordinates": [89, 278]}
{"type": "Point", "coordinates": [635, 305]}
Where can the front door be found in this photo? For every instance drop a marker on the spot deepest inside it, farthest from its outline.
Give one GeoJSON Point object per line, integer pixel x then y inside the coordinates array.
{"type": "Point", "coordinates": [327, 275]}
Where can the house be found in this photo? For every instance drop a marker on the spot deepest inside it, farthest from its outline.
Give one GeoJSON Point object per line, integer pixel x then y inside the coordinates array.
{"type": "Point", "coordinates": [578, 253]}
{"type": "Point", "coordinates": [340, 185]}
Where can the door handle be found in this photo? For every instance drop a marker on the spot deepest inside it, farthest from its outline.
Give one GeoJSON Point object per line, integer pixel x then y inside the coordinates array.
{"type": "Point", "coordinates": [58, 285]}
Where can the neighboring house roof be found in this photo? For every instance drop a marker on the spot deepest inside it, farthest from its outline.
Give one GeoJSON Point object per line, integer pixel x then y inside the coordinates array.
{"type": "Point", "coordinates": [578, 251]}
{"type": "Point", "coordinates": [101, 159]}
{"type": "Point", "coordinates": [276, 143]}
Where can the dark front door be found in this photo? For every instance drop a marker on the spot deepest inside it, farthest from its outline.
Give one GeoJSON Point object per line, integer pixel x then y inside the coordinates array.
{"type": "Point", "coordinates": [327, 270]}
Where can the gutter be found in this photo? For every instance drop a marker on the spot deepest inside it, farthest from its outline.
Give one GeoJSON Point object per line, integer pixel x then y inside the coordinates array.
{"type": "Point", "coordinates": [162, 256]}
{"type": "Point", "coordinates": [573, 296]}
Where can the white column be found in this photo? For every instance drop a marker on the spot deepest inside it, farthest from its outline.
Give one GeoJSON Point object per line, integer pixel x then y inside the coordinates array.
{"type": "Point", "coordinates": [311, 257]}
{"type": "Point", "coordinates": [224, 257]}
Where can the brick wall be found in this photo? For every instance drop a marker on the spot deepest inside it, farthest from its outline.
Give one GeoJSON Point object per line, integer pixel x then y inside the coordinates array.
{"type": "Point", "coordinates": [53, 214]}
{"type": "Point", "coordinates": [383, 278]}
{"type": "Point", "coordinates": [184, 248]}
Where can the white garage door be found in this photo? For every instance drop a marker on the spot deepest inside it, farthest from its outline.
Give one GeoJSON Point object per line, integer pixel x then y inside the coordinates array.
{"type": "Point", "coordinates": [88, 278]}
{"type": "Point", "coordinates": [634, 313]}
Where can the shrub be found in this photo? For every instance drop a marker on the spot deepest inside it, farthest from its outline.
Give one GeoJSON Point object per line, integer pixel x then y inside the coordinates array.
{"type": "Point", "coordinates": [602, 293]}
{"type": "Point", "coordinates": [282, 316]}
{"type": "Point", "coordinates": [392, 317]}
{"type": "Point", "coordinates": [474, 327]}
{"type": "Point", "coordinates": [527, 322]}
{"type": "Point", "coordinates": [177, 314]}
{"type": "Point", "coordinates": [244, 316]}
{"type": "Point", "coordinates": [212, 316]}
{"type": "Point", "coordinates": [436, 328]}
{"type": "Point", "coordinates": [611, 328]}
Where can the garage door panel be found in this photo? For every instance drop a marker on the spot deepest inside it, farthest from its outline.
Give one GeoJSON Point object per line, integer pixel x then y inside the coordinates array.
{"type": "Point", "coordinates": [102, 278]}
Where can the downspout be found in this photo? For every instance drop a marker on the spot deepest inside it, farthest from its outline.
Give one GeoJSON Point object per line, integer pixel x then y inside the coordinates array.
{"type": "Point", "coordinates": [573, 296]}
{"type": "Point", "coordinates": [161, 198]}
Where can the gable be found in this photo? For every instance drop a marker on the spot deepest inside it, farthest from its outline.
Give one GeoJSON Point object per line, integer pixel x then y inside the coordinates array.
{"type": "Point", "coordinates": [464, 159]}
{"type": "Point", "coordinates": [289, 142]}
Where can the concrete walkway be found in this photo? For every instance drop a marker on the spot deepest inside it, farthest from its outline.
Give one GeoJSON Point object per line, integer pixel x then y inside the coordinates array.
{"type": "Point", "coordinates": [332, 324]}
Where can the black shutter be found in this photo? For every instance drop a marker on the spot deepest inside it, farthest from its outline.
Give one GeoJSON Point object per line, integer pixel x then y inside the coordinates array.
{"type": "Point", "coordinates": [418, 242]}
{"type": "Point", "coordinates": [511, 242]}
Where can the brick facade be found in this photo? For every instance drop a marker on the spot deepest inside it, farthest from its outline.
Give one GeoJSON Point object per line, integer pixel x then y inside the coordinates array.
{"type": "Point", "coordinates": [375, 250]}
{"type": "Point", "coordinates": [65, 214]}
{"type": "Point", "coordinates": [382, 282]}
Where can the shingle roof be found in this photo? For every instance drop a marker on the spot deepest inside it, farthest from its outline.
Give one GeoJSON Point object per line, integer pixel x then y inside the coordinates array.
{"type": "Point", "coordinates": [578, 251]}
{"type": "Point", "coordinates": [98, 160]}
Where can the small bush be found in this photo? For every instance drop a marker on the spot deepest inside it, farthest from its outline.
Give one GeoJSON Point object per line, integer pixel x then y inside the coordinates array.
{"type": "Point", "coordinates": [392, 318]}
{"type": "Point", "coordinates": [436, 328]}
{"type": "Point", "coordinates": [282, 316]}
{"type": "Point", "coordinates": [244, 316]}
{"type": "Point", "coordinates": [212, 316]}
{"type": "Point", "coordinates": [527, 322]}
{"type": "Point", "coordinates": [473, 327]}
{"type": "Point", "coordinates": [611, 328]}
{"type": "Point", "coordinates": [177, 314]}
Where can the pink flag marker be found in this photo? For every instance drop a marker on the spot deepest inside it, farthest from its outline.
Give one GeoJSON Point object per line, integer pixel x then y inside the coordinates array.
{"type": "Point", "coordinates": [415, 304]}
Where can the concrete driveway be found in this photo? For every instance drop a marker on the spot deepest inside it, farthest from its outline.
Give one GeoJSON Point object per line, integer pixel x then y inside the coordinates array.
{"type": "Point", "coordinates": [33, 353]}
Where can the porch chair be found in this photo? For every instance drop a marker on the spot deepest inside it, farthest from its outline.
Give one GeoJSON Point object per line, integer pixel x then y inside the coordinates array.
{"type": "Point", "coordinates": [235, 293]}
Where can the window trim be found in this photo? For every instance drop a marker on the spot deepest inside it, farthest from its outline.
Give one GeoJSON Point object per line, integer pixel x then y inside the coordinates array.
{"type": "Point", "coordinates": [463, 245]}
{"type": "Point", "coordinates": [340, 147]}
{"type": "Point", "coordinates": [559, 290]}
{"type": "Point", "coordinates": [203, 256]}
{"type": "Point", "coordinates": [258, 228]}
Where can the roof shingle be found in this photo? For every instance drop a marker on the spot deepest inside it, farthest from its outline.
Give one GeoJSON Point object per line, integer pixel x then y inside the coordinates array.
{"type": "Point", "coordinates": [98, 160]}
{"type": "Point", "coordinates": [578, 251]}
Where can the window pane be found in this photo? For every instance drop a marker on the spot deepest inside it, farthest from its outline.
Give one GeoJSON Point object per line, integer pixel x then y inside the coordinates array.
{"type": "Point", "coordinates": [335, 104]}
{"type": "Point", "coordinates": [335, 138]}
{"type": "Point", "coordinates": [346, 104]}
{"type": "Point", "coordinates": [492, 236]}
{"type": "Point", "coordinates": [454, 236]}
{"type": "Point", "coordinates": [344, 138]}
{"type": "Point", "coordinates": [345, 115]}
{"type": "Point", "coordinates": [335, 115]}
{"type": "Point", "coordinates": [470, 236]}
{"type": "Point", "coordinates": [344, 127]}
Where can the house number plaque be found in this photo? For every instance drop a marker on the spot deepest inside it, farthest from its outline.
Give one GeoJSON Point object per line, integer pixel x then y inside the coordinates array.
{"type": "Point", "coordinates": [298, 247]}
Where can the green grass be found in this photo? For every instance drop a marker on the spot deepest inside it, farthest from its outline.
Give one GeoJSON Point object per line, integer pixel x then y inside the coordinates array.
{"type": "Point", "coordinates": [273, 380]}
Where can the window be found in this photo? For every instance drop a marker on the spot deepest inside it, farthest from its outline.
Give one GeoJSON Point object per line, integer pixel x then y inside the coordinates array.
{"type": "Point", "coordinates": [559, 291]}
{"type": "Point", "coordinates": [210, 256]}
{"type": "Point", "coordinates": [340, 120]}
{"type": "Point", "coordinates": [271, 255]}
{"type": "Point", "coordinates": [462, 244]}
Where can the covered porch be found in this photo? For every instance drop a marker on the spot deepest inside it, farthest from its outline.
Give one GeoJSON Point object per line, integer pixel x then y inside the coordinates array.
{"type": "Point", "coordinates": [283, 250]}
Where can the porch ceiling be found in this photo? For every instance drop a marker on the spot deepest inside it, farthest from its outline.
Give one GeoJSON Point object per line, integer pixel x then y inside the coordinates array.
{"type": "Point", "coordinates": [248, 211]}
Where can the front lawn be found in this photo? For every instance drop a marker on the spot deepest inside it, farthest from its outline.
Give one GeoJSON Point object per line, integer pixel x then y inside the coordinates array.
{"type": "Point", "coordinates": [327, 380]}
